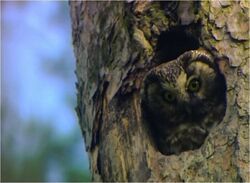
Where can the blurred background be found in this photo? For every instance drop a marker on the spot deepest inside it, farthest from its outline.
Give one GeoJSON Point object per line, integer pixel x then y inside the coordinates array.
{"type": "Point", "coordinates": [40, 136]}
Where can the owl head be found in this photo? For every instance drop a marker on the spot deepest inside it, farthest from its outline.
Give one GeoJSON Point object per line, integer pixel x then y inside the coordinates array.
{"type": "Point", "coordinates": [184, 92]}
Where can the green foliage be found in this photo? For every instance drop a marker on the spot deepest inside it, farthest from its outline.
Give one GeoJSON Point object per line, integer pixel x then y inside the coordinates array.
{"type": "Point", "coordinates": [32, 162]}
{"type": "Point", "coordinates": [77, 175]}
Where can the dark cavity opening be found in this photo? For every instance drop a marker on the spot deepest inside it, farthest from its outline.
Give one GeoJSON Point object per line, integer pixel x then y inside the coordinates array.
{"type": "Point", "coordinates": [176, 41]}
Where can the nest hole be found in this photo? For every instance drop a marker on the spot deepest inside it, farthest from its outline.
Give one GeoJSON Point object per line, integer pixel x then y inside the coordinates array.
{"type": "Point", "coordinates": [176, 41]}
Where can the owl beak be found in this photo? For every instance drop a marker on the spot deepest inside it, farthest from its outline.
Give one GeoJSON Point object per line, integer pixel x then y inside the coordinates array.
{"type": "Point", "coordinates": [184, 97]}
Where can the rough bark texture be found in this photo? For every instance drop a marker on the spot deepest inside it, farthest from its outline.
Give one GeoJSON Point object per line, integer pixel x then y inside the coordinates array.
{"type": "Point", "coordinates": [115, 44]}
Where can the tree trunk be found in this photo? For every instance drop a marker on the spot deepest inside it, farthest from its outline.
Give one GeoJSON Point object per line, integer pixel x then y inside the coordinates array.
{"type": "Point", "coordinates": [116, 44]}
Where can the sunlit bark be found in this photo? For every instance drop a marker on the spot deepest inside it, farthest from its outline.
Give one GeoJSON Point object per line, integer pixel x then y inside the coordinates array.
{"type": "Point", "coordinates": [115, 44]}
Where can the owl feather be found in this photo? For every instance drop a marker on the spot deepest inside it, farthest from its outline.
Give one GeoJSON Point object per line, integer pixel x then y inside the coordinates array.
{"type": "Point", "coordinates": [183, 100]}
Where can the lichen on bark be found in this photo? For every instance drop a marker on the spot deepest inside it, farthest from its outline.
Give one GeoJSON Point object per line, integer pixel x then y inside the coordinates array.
{"type": "Point", "coordinates": [115, 44]}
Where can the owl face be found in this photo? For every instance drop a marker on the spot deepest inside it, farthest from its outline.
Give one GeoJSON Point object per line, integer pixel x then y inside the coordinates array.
{"type": "Point", "coordinates": [180, 98]}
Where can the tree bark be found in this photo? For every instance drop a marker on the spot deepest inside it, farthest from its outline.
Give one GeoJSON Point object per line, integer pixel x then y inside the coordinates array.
{"type": "Point", "coordinates": [115, 44]}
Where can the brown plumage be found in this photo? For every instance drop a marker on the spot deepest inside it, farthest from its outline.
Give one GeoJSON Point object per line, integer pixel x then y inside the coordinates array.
{"type": "Point", "coordinates": [183, 100]}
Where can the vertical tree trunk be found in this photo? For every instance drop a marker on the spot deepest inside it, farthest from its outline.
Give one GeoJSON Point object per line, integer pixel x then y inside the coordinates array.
{"type": "Point", "coordinates": [115, 44]}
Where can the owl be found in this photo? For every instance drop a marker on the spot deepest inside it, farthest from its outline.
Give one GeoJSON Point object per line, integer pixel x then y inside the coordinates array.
{"type": "Point", "coordinates": [183, 100]}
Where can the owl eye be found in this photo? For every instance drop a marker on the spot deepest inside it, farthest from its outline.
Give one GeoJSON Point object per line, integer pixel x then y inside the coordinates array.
{"type": "Point", "coordinates": [194, 85]}
{"type": "Point", "coordinates": [169, 97]}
